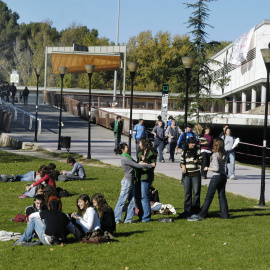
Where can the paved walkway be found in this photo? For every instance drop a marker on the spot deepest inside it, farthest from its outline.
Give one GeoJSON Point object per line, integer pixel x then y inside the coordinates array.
{"type": "Point", "coordinates": [102, 144]}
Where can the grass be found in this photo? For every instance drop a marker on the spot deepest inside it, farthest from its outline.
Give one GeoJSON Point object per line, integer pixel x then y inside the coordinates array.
{"type": "Point", "coordinates": [240, 242]}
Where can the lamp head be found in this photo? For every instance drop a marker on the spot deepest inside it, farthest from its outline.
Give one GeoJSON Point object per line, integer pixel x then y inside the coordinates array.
{"type": "Point", "coordinates": [132, 66]}
{"type": "Point", "coordinates": [38, 71]}
{"type": "Point", "coordinates": [62, 70]}
{"type": "Point", "coordinates": [266, 54]}
{"type": "Point", "coordinates": [90, 68]}
{"type": "Point", "coordinates": [188, 61]}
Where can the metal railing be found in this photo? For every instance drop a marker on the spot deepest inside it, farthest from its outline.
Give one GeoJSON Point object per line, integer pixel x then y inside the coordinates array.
{"type": "Point", "coordinates": [16, 111]}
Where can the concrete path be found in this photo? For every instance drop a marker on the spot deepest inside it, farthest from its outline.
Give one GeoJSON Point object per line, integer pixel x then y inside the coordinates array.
{"type": "Point", "coordinates": [102, 144]}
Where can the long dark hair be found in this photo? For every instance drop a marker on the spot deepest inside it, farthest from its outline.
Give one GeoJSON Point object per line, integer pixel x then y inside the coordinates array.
{"type": "Point", "coordinates": [120, 148]}
{"type": "Point", "coordinates": [146, 144]}
{"type": "Point", "coordinates": [85, 198]}
{"type": "Point", "coordinates": [101, 203]}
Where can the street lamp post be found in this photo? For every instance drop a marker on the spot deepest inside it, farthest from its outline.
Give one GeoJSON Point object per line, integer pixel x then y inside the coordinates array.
{"type": "Point", "coordinates": [90, 71]}
{"type": "Point", "coordinates": [132, 66]}
{"type": "Point", "coordinates": [266, 59]}
{"type": "Point", "coordinates": [38, 71]}
{"type": "Point", "coordinates": [188, 63]}
{"type": "Point", "coordinates": [62, 71]}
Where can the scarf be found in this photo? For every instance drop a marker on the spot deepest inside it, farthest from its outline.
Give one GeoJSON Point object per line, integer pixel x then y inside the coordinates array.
{"type": "Point", "coordinates": [115, 130]}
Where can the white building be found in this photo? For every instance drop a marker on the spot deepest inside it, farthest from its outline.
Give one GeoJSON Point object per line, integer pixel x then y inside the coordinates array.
{"type": "Point", "coordinates": [247, 84]}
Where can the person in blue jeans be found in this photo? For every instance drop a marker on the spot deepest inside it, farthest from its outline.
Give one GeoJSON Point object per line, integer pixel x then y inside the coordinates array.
{"type": "Point", "coordinates": [50, 225]}
{"type": "Point", "coordinates": [147, 154]}
{"type": "Point", "coordinates": [217, 183]}
{"type": "Point", "coordinates": [159, 134]}
{"type": "Point", "coordinates": [127, 184]}
{"type": "Point", "coordinates": [139, 132]}
{"type": "Point", "coordinates": [190, 160]}
{"type": "Point", "coordinates": [28, 177]}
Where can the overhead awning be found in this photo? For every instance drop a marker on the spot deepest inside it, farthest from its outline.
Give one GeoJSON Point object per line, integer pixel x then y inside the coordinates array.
{"type": "Point", "coordinates": [75, 63]}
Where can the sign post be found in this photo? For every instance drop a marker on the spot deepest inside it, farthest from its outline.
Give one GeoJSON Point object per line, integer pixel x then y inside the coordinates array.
{"type": "Point", "coordinates": [164, 103]}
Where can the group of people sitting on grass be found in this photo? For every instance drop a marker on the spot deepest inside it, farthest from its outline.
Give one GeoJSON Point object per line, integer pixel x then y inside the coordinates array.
{"type": "Point", "coordinates": [46, 219]}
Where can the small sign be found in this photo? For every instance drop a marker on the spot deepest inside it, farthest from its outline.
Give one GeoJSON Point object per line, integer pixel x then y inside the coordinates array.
{"type": "Point", "coordinates": [14, 77]}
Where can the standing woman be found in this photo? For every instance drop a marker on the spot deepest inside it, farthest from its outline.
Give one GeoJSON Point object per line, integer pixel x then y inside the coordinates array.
{"type": "Point", "coordinates": [159, 135]}
{"type": "Point", "coordinates": [206, 150]}
{"type": "Point", "coordinates": [127, 184]}
{"type": "Point", "coordinates": [86, 218]}
{"type": "Point", "coordinates": [228, 146]}
{"type": "Point", "coordinates": [105, 213]}
{"type": "Point", "coordinates": [190, 160]}
{"type": "Point", "coordinates": [218, 182]}
{"type": "Point", "coordinates": [147, 154]}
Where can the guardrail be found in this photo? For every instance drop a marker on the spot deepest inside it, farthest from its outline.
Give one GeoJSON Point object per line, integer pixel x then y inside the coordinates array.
{"type": "Point", "coordinates": [10, 107]}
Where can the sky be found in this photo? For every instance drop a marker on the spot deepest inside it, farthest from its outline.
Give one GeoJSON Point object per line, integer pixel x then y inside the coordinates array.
{"type": "Point", "coordinates": [230, 18]}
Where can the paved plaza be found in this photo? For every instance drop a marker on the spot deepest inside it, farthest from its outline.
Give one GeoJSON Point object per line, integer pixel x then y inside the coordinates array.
{"type": "Point", "coordinates": [102, 144]}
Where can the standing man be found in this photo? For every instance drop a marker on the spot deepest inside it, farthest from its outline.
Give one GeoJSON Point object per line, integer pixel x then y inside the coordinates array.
{"type": "Point", "coordinates": [13, 91]}
{"type": "Point", "coordinates": [184, 138]}
{"type": "Point", "coordinates": [117, 127]}
{"type": "Point", "coordinates": [159, 135]}
{"type": "Point", "coordinates": [139, 132]}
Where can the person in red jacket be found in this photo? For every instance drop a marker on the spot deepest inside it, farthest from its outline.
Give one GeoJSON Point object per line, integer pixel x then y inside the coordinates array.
{"type": "Point", "coordinates": [46, 177]}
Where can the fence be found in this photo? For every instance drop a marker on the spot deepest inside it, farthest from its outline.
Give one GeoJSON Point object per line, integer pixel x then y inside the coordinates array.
{"type": "Point", "coordinates": [23, 113]}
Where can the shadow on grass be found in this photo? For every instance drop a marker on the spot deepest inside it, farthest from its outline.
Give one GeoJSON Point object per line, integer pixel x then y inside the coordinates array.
{"type": "Point", "coordinates": [126, 234]}
{"type": "Point", "coordinates": [253, 212]}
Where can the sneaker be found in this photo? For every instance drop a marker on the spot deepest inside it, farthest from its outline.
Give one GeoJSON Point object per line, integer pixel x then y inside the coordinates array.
{"type": "Point", "coordinates": [163, 161]}
{"type": "Point", "coordinates": [131, 221]}
{"type": "Point", "coordinates": [18, 243]}
{"type": "Point", "coordinates": [117, 222]}
{"type": "Point", "coordinates": [232, 177]}
{"type": "Point", "coordinates": [194, 218]}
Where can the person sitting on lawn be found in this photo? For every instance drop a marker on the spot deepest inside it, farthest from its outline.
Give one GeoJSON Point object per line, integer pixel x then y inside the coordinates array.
{"type": "Point", "coordinates": [46, 177]}
{"type": "Point", "coordinates": [105, 213]}
{"type": "Point", "coordinates": [86, 218]}
{"type": "Point", "coordinates": [36, 207]}
{"type": "Point", "coordinates": [50, 225]}
{"type": "Point", "coordinates": [77, 172]}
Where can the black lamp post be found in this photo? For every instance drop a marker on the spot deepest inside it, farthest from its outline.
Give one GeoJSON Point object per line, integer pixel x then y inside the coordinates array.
{"type": "Point", "coordinates": [132, 66]}
{"type": "Point", "coordinates": [188, 63]}
{"type": "Point", "coordinates": [266, 59]}
{"type": "Point", "coordinates": [62, 71]}
{"type": "Point", "coordinates": [38, 71]}
{"type": "Point", "coordinates": [90, 71]}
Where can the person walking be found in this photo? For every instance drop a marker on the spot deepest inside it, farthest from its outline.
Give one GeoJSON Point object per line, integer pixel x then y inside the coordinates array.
{"type": "Point", "coordinates": [217, 182]}
{"type": "Point", "coordinates": [159, 135]}
{"type": "Point", "coordinates": [173, 132]}
{"type": "Point", "coordinates": [13, 91]}
{"type": "Point", "coordinates": [117, 127]}
{"type": "Point", "coordinates": [139, 132]}
{"type": "Point", "coordinates": [25, 94]}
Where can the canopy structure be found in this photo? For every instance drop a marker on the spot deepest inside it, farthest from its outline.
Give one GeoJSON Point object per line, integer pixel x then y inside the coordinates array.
{"type": "Point", "coordinates": [75, 63]}
{"type": "Point", "coordinates": [75, 58]}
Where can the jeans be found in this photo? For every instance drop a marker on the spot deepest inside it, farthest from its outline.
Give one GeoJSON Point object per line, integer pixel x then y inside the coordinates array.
{"type": "Point", "coordinates": [142, 195]}
{"type": "Point", "coordinates": [37, 225]}
{"type": "Point", "coordinates": [205, 163]}
{"type": "Point", "coordinates": [25, 100]}
{"type": "Point", "coordinates": [158, 144]}
{"type": "Point", "coordinates": [117, 140]}
{"type": "Point", "coordinates": [231, 155]}
{"type": "Point", "coordinates": [218, 182]}
{"type": "Point", "coordinates": [28, 177]}
{"type": "Point", "coordinates": [192, 183]}
{"type": "Point", "coordinates": [127, 193]}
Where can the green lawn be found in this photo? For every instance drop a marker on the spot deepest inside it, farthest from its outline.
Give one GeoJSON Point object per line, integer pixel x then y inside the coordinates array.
{"type": "Point", "coordinates": [241, 242]}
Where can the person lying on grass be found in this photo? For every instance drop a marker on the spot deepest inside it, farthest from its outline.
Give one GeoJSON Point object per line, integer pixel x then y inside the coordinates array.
{"type": "Point", "coordinates": [50, 225]}
{"type": "Point", "coordinates": [77, 172]}
{"type": "Point", "coordinates": [86, 218]}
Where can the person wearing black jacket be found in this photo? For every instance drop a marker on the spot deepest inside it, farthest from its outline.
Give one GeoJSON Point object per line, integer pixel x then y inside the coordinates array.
{"type": "Point", "coordinates": [117, 127]}
{"type": "Point", "coordinates": [25, 94]}
{"type": "Point", "coordinates": [13, 91]}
